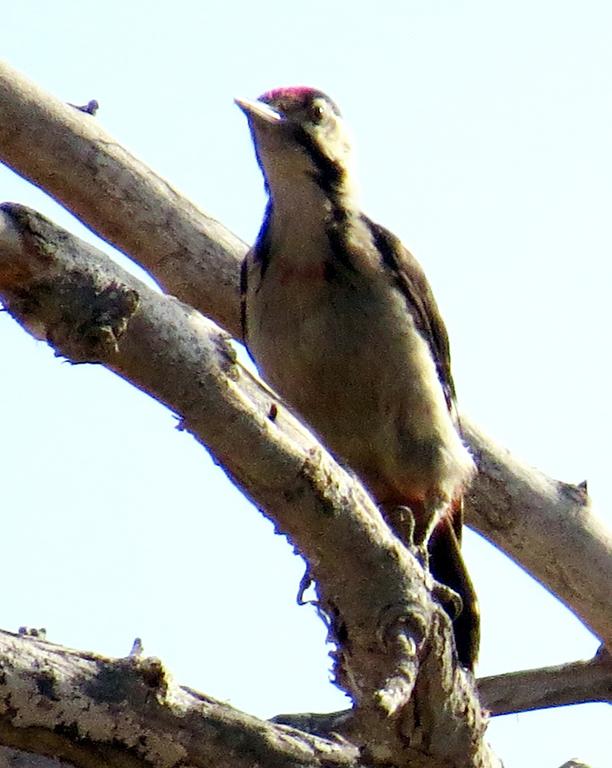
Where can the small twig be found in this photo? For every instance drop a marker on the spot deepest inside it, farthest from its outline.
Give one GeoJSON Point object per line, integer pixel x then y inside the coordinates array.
{"type": "Point", "coordinates": [579, 682]}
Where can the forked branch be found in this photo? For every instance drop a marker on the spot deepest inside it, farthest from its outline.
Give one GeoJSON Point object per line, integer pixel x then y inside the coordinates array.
{"type": "Point", "coordinates": [546, 526]}
{"type": "Point", "coordinates": [400, 671]}
{"type": "Point", "coordinates": [394, 648]}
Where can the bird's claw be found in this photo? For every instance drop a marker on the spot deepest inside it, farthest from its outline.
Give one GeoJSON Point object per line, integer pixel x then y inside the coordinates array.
{"type": "Point", "coordinates": [401, 520]}
{"type": "Point", "coordinates": [449, 599]}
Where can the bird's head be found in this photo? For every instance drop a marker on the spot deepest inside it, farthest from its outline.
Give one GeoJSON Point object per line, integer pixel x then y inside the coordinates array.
{"type": "Point", "coordinates": [298, 134]}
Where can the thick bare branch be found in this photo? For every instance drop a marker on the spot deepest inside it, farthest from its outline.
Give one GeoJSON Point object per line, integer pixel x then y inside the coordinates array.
{"type": "Point", "coordinates": [81, 166]}
{"type": "Point", "coordinates": [128, 713]}
{"type": "Point", "coordinates": [190, 254]}
{"type": "Point", "coordinates": [196, 259]}
{"type": "Point", "coordinates": [548, 526]}
{"type": "Point", "coordinates": [411, 697]}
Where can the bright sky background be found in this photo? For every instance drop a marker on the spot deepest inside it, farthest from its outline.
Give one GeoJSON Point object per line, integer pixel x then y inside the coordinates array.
{"type": "Point", "coordinates": [484, 134]}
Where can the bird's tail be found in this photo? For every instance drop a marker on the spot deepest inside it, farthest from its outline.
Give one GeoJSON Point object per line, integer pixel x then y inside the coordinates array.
{"type": "Point", "coordinates": [448, 567]}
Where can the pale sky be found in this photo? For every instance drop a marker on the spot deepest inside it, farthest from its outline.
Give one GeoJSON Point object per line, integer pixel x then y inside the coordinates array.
{"type": "Point", "coordinates": [483, 135]}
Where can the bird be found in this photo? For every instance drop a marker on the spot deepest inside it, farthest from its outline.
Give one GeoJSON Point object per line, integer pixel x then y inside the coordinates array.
{"type": "Point", "coordinates": [341, 321]}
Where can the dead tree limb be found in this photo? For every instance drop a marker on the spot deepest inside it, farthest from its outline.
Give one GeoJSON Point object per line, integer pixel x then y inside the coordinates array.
{"type": "Point", "coordinates": [128, 713]}
{"type": "Point", "coordinates": [394, 642]}
{"type": "Point", "coordinates": [548, 527]}
{"type": "Point", "coordinates": [580, 682]}
{"type": "Point", "coordinates": [86, 170]}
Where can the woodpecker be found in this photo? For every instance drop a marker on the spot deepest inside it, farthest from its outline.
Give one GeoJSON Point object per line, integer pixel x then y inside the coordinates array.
{"type": "Point", "coordinates": [340, 319]}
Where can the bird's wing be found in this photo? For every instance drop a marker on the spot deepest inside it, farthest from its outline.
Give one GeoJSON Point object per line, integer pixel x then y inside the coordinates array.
{"type": "Point", "coordinates": [411, 281]}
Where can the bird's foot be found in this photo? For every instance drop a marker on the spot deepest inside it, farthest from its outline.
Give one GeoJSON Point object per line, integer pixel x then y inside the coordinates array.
{"type": "Point", "coordinates": [401, 520]}
{"type": "Point", "coordinates": [449, 599]}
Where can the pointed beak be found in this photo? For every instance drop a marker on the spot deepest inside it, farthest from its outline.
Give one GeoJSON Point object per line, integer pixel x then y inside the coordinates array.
{"type": "Point", "coordinates": [259, 111]}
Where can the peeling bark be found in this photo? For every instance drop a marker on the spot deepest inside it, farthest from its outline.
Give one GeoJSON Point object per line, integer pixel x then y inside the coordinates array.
{"type": "Point", "coordinates": [89, 711]}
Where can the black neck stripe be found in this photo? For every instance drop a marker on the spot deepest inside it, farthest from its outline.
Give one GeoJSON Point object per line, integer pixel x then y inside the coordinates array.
{"type": "Point", "coordinates": [329, 174]}
{"type": "Point", "coordinates": [263, 243]}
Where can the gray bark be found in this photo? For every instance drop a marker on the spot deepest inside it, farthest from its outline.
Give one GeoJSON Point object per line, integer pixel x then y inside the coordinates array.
{"type": "Point", "coordinates": [540, 523]}
{"type": "Point", "coordinates": [411, 699]}
{"type": "Point", "coordinates": [410, 695]}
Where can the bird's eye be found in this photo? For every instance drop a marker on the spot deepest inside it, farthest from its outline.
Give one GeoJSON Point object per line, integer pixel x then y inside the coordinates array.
{"type": "Point", "coordinates": [317, 112]}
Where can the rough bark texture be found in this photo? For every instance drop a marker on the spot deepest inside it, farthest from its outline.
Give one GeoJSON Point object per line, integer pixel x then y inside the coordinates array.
{"type": "Point", "coordinates": [197, 260]}
{"type": "Point", "coordinates": [127, 713]}
{"type": "Point", "coordinates": [412, 700]}
{"type": "Point", "coordinates": [413, 705]}
{"type": "Point", "coordinates": [579, 682]}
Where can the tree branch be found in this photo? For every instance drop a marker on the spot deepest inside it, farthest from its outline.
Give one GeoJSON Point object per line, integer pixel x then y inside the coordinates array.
{"type": "Point", "coordinates": [412, 700]}
{"type": "Point", "coordinates": [580, 682]}
{"type": "Point", "coordinates": [191, 255]}
{"type": "Point", "coordinates": [128, 713]}
{"type": "Point", "coordinates": [576, 683]}
{"type": "Point", "coordinates": [547, 526]}
{"type": "Point", "coordinates": [539, 522]}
